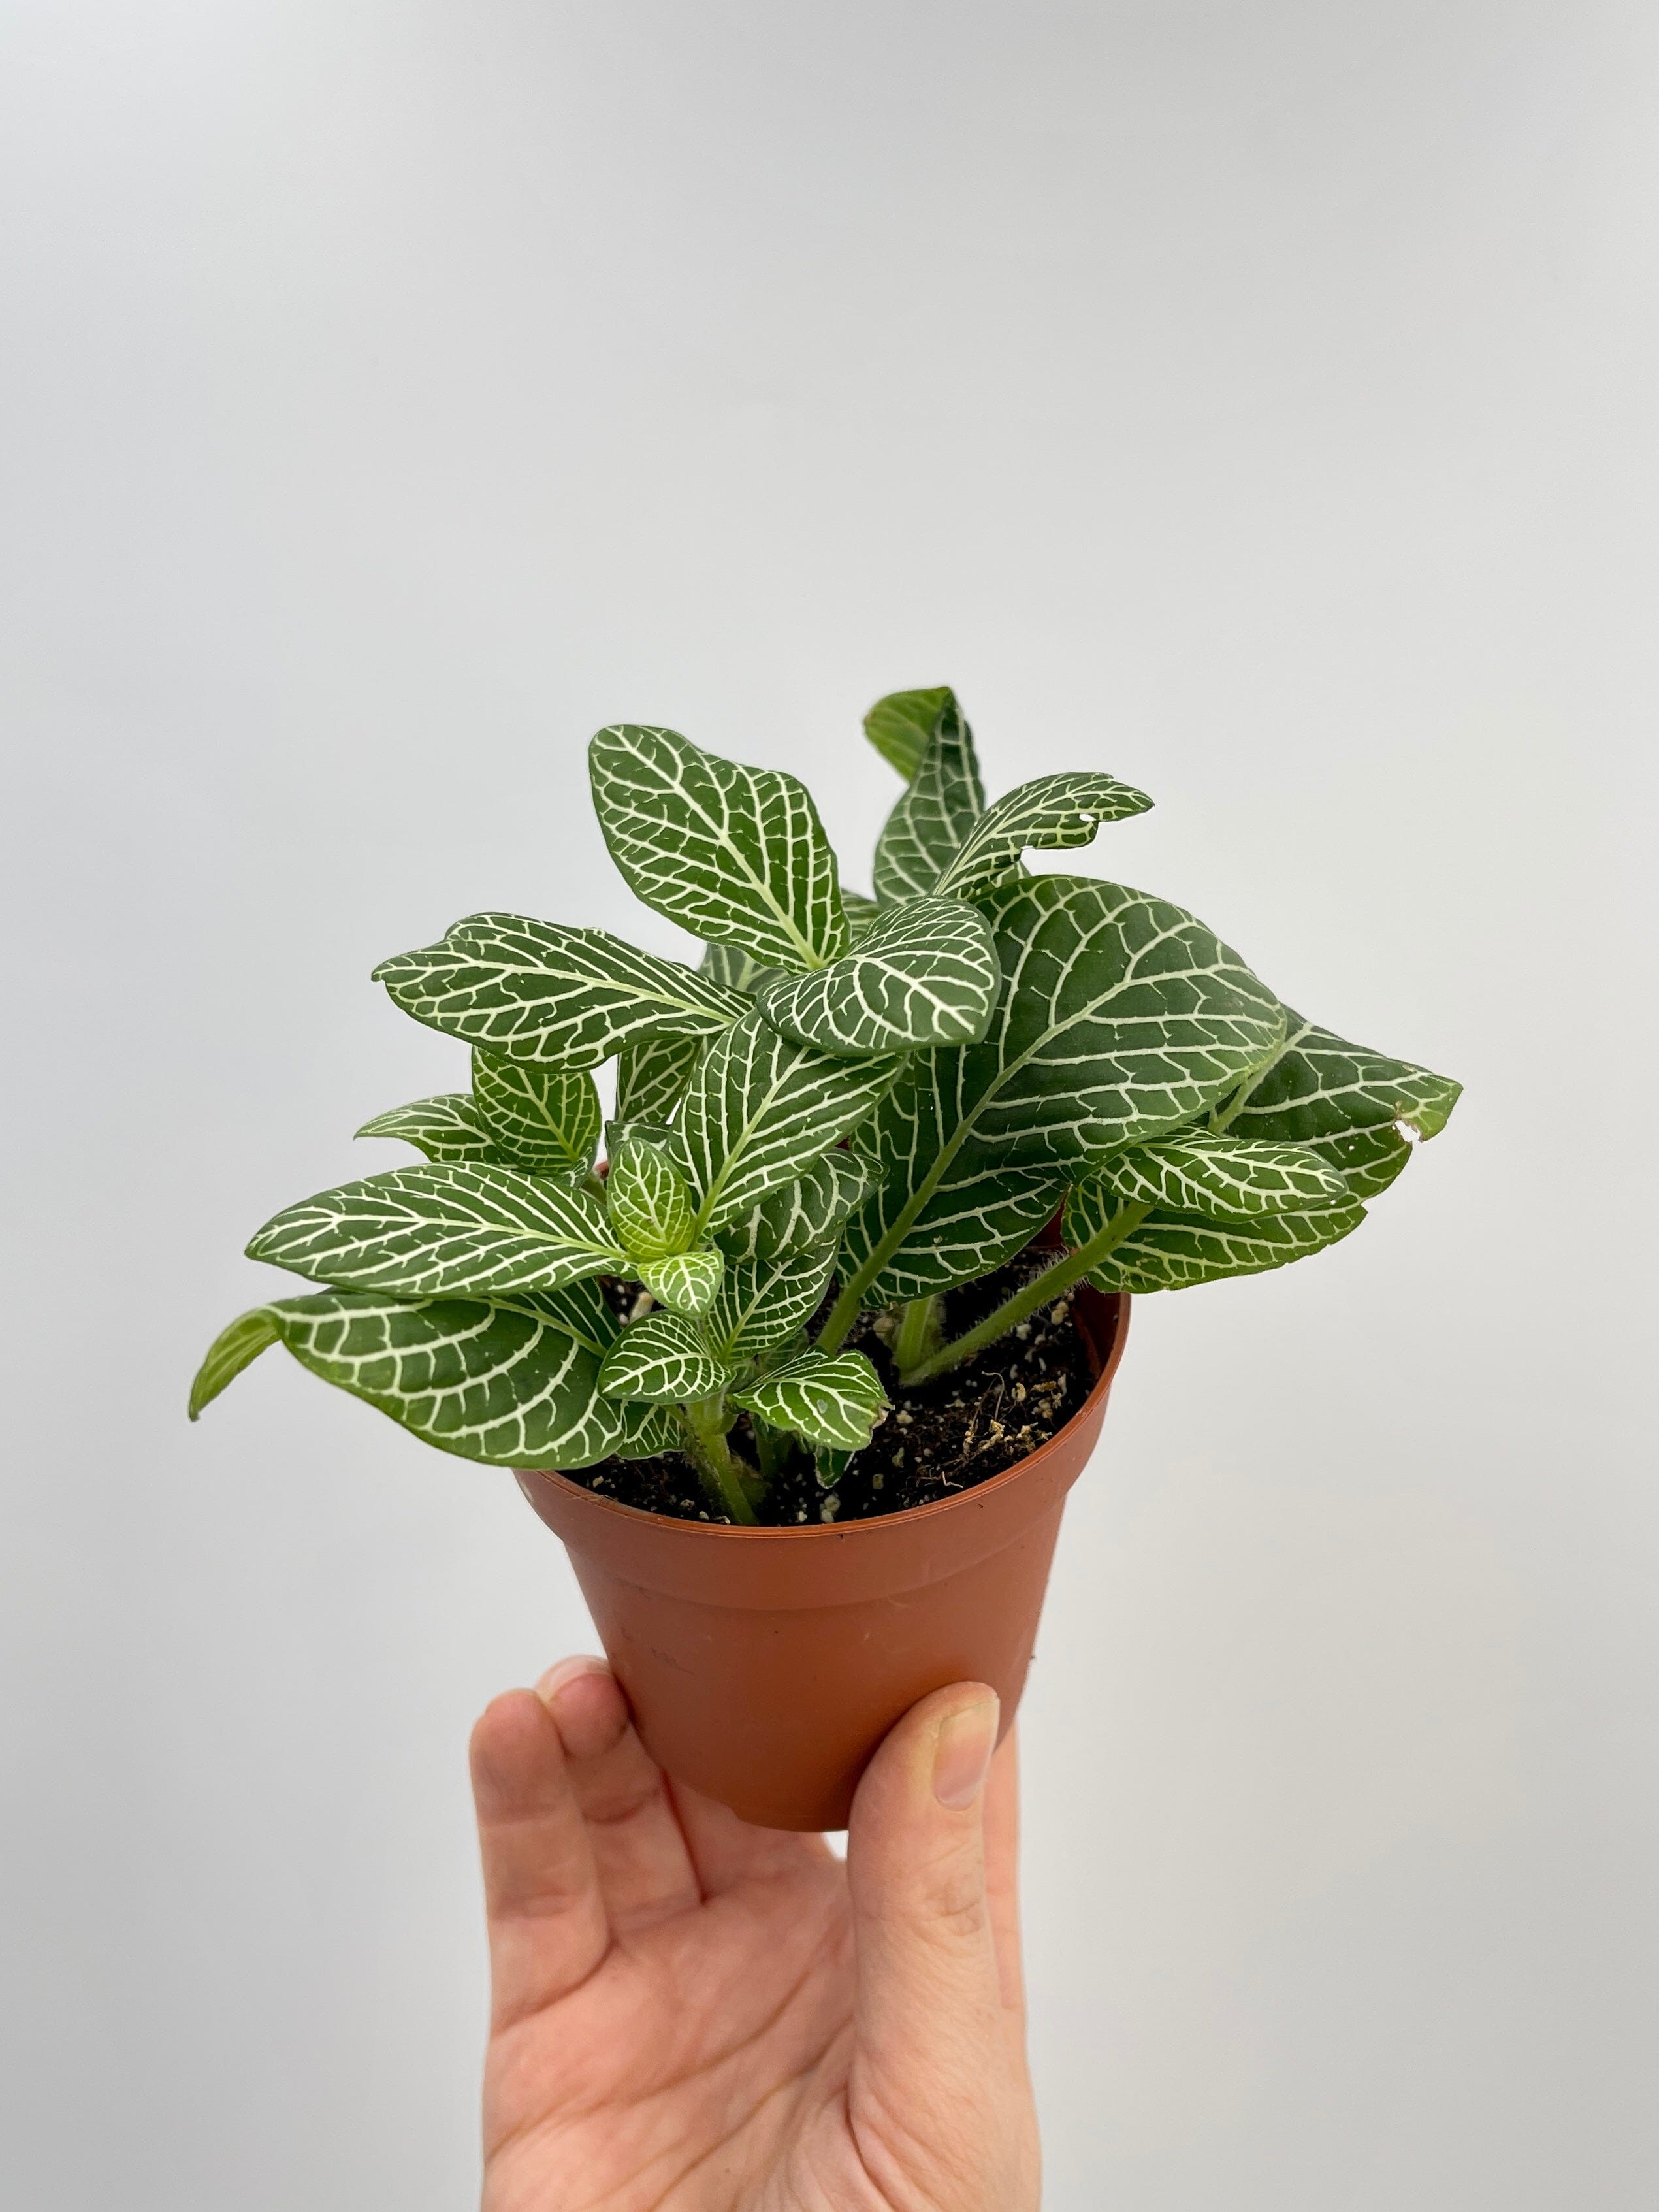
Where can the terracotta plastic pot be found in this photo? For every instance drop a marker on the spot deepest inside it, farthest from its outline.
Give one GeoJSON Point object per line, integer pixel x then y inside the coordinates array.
{"type": "Point", "coordinates": [765, 1665]}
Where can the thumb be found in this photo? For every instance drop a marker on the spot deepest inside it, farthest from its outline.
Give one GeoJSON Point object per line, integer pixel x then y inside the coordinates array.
{"type": "Point", "coordinates": [929, 2004]}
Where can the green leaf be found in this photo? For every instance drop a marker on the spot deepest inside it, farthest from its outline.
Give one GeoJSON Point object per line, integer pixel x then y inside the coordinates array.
{"type": "Point", "coordinates": [763, 1303]}
{"type": "Point", "coordinates": [1318, 1086]}
{"type": "Point", "coordinates": [1121, 1018]}
{"type": "Point", "coordinates": [442, 1231]}
{"type": "Point", "coordinates": [685, 1282]}
{"type": "Point", "coordinates": [834, 1401]}
{"type": "Point", "coordinates": [1231, 1177]}
{"type": "Point", "coordinates": [729, 964]}
{"type": "Point", "coordinates": [1367, 1159]}
{"type": "Point", "coordinates": [532, 991]}
{"type": "Point", "coordinates": [801, 1216]}
{"type": "Point", "coordinates": [652, 1430]}
{"type": "Point", "coordinates": [664, 1360]}
{"type": "Point", "coordinates": [446, 1127]}
{"type": "Point", "coordinates": [732, 854]}
{"type": "Point", "coordinates": [932, 821]}
{"type": "Point", "coordinates": [580, 1309]}
{"type": "Point", "coordinates": [537, 1117]}
{"type": "Point", "coordinates": [649, 1200]}
{"type": "Point", "coordinates": [482, 1381]}
{"type": "Point", "coordinates": [830, 1464]}
{"type": "Point", "coordinates": [862, 914]}
{"type": "Point", "coordinates": [652, 1074]}
{"type": "Point", "coordinates": [925, 974]}
{"type": "Point", "coordinates": [1053, 811]}
{"type": "Point", "coordinates": [231, 1351]}
{"type": "Point", "coordinates": [899, 726]}
{"type": "Point", "coordinates": [761, 1110]}
{"type": "Point", "coordinates": [1174, 1252]}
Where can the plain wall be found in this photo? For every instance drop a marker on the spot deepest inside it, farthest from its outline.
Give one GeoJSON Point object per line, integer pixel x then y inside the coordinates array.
{"type": "Point", "coordinates": [1256, 401]}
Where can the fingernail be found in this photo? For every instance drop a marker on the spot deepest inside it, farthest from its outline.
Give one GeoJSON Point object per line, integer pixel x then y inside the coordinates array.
{"type": "Point", "coordinates": [963, 1754]}
{"type": "Point", "coordinates": [558, 1678]}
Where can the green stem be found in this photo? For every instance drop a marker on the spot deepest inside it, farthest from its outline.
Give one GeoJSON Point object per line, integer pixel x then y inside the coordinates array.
{"type": "Point", "coordinates": [917, 1337]}
{"type": "Point", "coordinates": [1065, 1271]}
{"type": "Point", "coordinates": [706, 1424]}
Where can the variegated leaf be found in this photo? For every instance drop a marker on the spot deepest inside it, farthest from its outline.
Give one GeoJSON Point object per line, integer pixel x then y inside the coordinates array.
{"type": "Point", "coordinates": [443, 1231]}
{"type": "Point", "coordinates": [685, 1282]}
{"type": "Point", "coordinates": [761, 1304]}
{"type": "Point", "coordinates": [482, 1381]}
{"type": "Point", "coordinates": [652, 1430]}
{"type": "Point", "coordinates": [862, 914]}
{"type": "Point", "coordinates": [1053, 811]}
{"type": "Point", "coordinates": [1120, 1018]}
{"type": "Point", "coordinates": [761, 1110]}
{"type": "Point", "coordinates": [899, 726]}
{"type": "Point", "coordinates": [831, 1402]}
{"type": "Point", "coordinates": [1233, 1178]}
{"type": "Point", "coordinates": [925, 974]}
{"type": "Point", "coordinates": [649, 1200]}
{"type": "Point", "coordinates": [729, 964]}
{"type": "Point", "coordinates": [1174, 1252]}
{"type": "Point", "coordinates": [580, 1309]}
{"type": "Point", "coordinates": [932, 820]}
{"type": "Point", "coordinates": [531, 990]}
{"type": "Point", "coordinates": [663, 1360]}
{"type": "Point", "coordinates": [1367, 1159]}
{"type": "Point", "coordinates": [1318, 1086]}
{"type": "Point", "coordinates": [734, 854]}
{"type": "Point", "coordinates": [801, 1216]}
{"type": "Point", "coordinates": [448, 1128]}
{"type": "Point", "coordinates": [652, 1075]}
{"type": "Point", "coordinates": [538, 1117]}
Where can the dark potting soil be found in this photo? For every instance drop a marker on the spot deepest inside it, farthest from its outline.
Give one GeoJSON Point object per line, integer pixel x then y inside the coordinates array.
{"type": "Point", "coordinates": [945, 1437]}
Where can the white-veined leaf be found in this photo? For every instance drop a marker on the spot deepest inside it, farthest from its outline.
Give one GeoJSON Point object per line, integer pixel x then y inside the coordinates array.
{"type": "Point", "coordinates": [580, 1309]}
{"type": "Point", "coordinates": [448, 1128]}
{"type": "Point", "coordinates": [538, 1117]}
{"type": "Point", "coordinates": [652, 1430]}
{"type": "Point", "coordinates": [1318, 1086]}
{"type": "Point", "coordinates": [760, 1110]}
{"type": "Point", "coordinates": [648, 1199]}
{"type": "Point", "coordinates": [1175, 1252]}
{"type": "Point", "coordinates": [730, 965]}
{"type": "Point", "coordinates": [531, 990]}
{"type": "Point", "coordinates": [652, 1074]}
{"type": "Point", "coordinates": [1053, 811]}
{"type": "Point", "coordinates": [663, 1360]}
{"type": "Point", "coordinates": [925, 974]}
{"type": "Point", "coordinates": [899, 726]}
{"type": "Point", "coordinates": [834, 1401]}
{"type": "Point", "coordinates": [447, 1231]}
{"type": "Point", "coordinates": [761, 1304]}
{"type": "Point", "coordinates": [1120, 1018]}
{"type": "Point", "coordinates": [735, 855]}
{"type": "Point", "coordinates": [930, 823]}
{"type": "Point", "coordinates": [862, 914]}
{"type": "Point", "coordinates": [801, 1216]}
{"type": "Point", "coordinates": [1367, 1159]}
{"type": "Point", "coordinates": [484, 1382]}
{"type": "Point", "coordinates": [685, 1282]}
{"type": "Point", "coordinates": [1233, 1178]}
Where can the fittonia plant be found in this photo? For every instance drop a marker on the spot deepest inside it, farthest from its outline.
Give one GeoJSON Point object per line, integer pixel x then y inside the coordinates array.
{"type": "Point", "coordinates": [889, 1095]}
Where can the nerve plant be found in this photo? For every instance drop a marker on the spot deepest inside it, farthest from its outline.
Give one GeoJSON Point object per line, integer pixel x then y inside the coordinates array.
{"type": "Point", "coordinates": [885, 1096]}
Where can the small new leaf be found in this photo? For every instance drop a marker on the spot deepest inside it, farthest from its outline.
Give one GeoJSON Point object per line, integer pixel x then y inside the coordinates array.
{"type": "Point", "coordinates": [685, 1282]}
{"type": "Point", "coordinates": [531, 990]}
{"type": "Point", "coordinates": [448, 1128]}
{"type": "Point", "coordinates": [663, 1359]}
{"type": "Point", "coordinates": [732, 854]}
{"type": "Point", "coordinates": [932, 821]}
{"type": "Point", "coordinates": [443, 1231]}
{"type": "Point", "coordinates": [924, 974]}
{"type": "Point", "coordinates": [802, 1216]}
{"type": "Point", "coordinates": [761, 1304]}
{"type": "Point", "coordinates": [899, 726]}
{"type": "Point", "coordinates": [480, 1381]}
{"type": "Point", "coordinates": [1053, 811]}
{"type": "Point", "coordinates": [537, 1116]}
{"type": "Point", "coordinates": [649, 1200]}
{"type": "Point", "coordinates": [823, 1400]}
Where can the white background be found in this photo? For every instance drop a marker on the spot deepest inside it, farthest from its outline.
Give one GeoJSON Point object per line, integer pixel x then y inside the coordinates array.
{"type": "Point", "coordinates": [1257, 401]}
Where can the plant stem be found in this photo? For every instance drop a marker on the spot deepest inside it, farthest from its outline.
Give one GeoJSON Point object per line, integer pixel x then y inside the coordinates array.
{"type": "Point", "coordinates": [1065, 1271]}
{"type": "Point", "coordinates": [722, 1476]}
{"type": "Point", "coordinates": [919, 1328]}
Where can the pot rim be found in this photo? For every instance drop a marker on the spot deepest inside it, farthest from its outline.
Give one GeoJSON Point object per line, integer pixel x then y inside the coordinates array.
{"type": "Point", "coordinates": [867, 1527]}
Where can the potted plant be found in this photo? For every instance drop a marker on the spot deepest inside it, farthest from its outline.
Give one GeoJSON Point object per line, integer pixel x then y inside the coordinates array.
{"type": "Point", "coordinates": [802, 1368]}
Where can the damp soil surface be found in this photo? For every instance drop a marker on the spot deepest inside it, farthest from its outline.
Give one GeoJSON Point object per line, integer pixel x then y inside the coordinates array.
{"type": "Point", "coordinates": [944, 1437]}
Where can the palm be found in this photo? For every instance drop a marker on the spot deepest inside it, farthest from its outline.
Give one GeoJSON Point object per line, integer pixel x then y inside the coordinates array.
{"type": "Point", "coordinates": [678, 2020]}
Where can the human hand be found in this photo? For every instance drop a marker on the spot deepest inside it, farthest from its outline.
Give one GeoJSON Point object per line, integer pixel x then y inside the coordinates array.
{"type": "Point", "coordinates": [691, 2014]}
